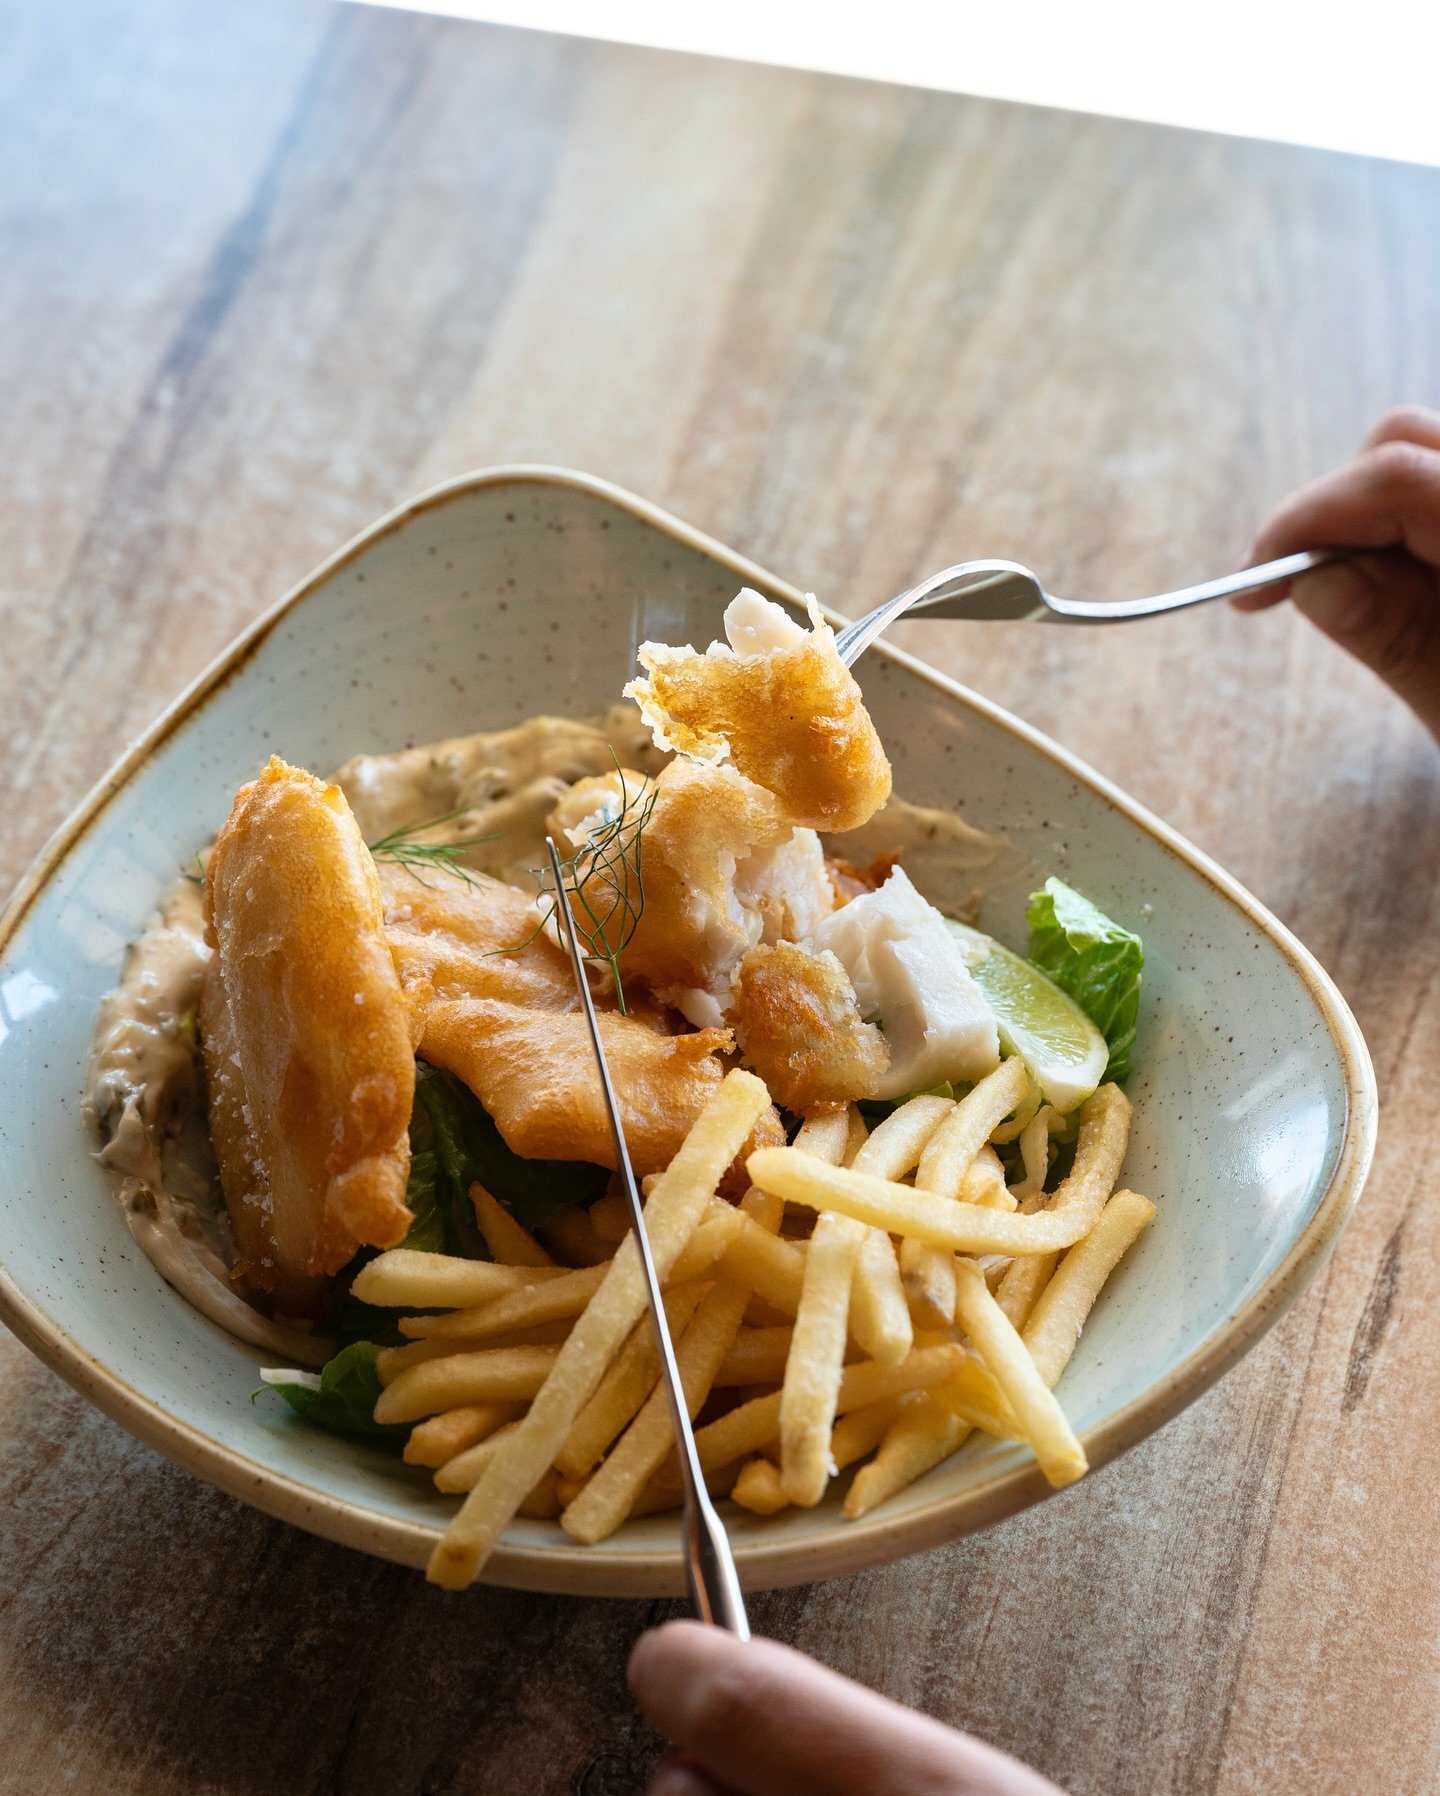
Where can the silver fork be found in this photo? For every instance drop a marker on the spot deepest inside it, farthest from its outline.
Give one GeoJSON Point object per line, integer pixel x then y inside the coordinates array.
{"type": "Point", "coordinates": [1004, 589]}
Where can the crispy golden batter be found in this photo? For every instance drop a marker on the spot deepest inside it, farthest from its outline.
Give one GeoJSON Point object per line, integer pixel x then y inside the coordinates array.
{"type": "Point", "coordinates": [799, 1025]}
{"type": "Point", "coordinates": [534, 1071]}
{"type": "Point", "coordinates": [312, 1075]}
{"type": "Point", "coordinates": [781, 704]}
{"type": "Point", "coordinates": [449, 938]}
{"type": "Point", "coordinates": [508, 1025]}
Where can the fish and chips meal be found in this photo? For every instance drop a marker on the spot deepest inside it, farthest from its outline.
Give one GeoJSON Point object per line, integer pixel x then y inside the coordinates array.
{"type": "Point", "coordinates": [346, 1090]}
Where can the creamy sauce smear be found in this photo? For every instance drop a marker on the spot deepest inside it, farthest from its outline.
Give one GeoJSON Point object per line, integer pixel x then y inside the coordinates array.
{"type": "Point", "coordinates": [143, 1087]}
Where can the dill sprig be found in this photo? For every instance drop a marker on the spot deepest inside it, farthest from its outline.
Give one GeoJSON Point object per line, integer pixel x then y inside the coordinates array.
{"type": "Point", "coordinates": [606, 882]}
{"type": "Point", "coordinates": [405, 849]}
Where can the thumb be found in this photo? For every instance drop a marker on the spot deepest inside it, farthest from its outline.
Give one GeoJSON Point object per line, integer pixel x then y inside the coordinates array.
{"type": "Point", "coordinates": [1385, 609]}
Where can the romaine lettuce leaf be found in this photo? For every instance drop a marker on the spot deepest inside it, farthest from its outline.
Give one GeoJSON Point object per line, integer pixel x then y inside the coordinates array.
{"type": "Point", "coordinates": [344, 1400]}
{"type": "Point", "coordinates": [469, 1147]}
{"type": "Point", "coordinates": [1092, 958]}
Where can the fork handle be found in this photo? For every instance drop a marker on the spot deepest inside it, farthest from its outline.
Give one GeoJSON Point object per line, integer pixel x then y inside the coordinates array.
{"type": "Point", "coordinates": [1250, 579]}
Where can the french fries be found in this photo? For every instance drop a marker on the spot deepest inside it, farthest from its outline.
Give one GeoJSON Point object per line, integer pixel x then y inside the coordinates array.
{"type": "Point", "coordinates": [536, 1392]}
{"type": "Point", "coordinates": [1060, 1455]}
{"type": "Point", "coordinates": [907, 1210]}
{"type": "Point", "coordinates": [556, 1300]}
{"type": "Point", "coordinates": [676, 1203]}
{"type": "Point", "coordinates": [608, 1497]}
{"type": "Point", "coordinates": [441, 1438]}
{"type": "Point", "coordinates": [508, 1242]}
{"type": "Point", "coordinates": [1104, 1136]}
{"type": "Point", "coordinates": [405, 1279]}
{"type": "Point", "coordinates": [624, 1387]}
{"type": "Point", "coordinates": [498, 1375]}
{"type": "Point", "coordinates": [816, 1358]}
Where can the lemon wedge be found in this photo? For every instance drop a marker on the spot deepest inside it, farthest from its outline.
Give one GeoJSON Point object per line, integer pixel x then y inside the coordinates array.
{"type": "Point", "coordinates": [1065, 1052]}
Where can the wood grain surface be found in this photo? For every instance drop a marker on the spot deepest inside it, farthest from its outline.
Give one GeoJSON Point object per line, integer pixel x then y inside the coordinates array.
{"type": "Point", "coordinates": [268, 268]}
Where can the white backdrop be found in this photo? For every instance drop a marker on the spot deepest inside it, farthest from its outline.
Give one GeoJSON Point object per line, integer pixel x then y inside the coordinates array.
{"type": "Point", "coordinates": [1361, 76]}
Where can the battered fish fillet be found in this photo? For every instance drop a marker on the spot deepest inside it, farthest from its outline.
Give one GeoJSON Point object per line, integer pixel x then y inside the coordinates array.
{"type": "Point", "coordinates": [534, 1071]}
{"type": "Point", "coordinates": [450, 937]}
{"type": "Point", "coordinates": [508, 1026]}
{"type": "Point", "coordinates": [778, 700]}
{"type": "Point", "coordinates": [800, 1027]}
{"type": "Point", "coordinates": [306, 1040]}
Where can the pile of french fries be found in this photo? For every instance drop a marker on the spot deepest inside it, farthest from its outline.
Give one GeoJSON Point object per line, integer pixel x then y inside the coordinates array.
{"type": "Point", "coordinates": [875, 1297]}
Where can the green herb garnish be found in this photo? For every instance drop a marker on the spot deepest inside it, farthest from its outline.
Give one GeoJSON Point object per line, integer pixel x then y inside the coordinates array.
{"type": "Point", "coordinates": [606, 883]}
{"type": "Point", "coordinates": [405, 849]}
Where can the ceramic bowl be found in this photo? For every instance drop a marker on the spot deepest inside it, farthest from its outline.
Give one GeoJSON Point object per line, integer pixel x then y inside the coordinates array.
{"type": "Point", "coordinates": [521, 590]}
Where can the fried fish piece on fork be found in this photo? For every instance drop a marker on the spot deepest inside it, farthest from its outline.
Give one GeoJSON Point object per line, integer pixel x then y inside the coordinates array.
{"type": "Point", "coordinates": [307, 1044]}
{"type": "Point", "coordinates": [780, 702]}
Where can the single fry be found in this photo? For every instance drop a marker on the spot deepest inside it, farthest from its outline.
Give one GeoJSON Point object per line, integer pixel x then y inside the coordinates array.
{"type": "Point", "coordinates": [554, 1301]}
{"type": "Point", "coordinates": [950, 1152]}
{"type": "Point", "coordinates": [571, 1236]}
{"type": "Point", "coordinates": [676, 1204]}
{"type": "Point", "coordinates": [1061, 1457]}
{"type": "Point", "coordinates": [859, 1135]}
{"type": "Point", "coordinates": [462, 1471]}
{"type": "Point", "coordinates": [985, 1182]}
{"type": "Point", "coordinates": [772, 1268]}
{"type": "Point", "coordinates": [718, 1226]}
{"type": "Point", "coordinates": [757, 1356]}
{"type": "Point", "coordinates": [879, 1315]}
{"type": "Point", "coordinates": [1020, 1287]}
{"type": "Point", "coordinates": [764, 1209]}
{"type": "Point", "coordinates": [758, 1488]}
{"type": "Point", "coordinates": [624, 1387]}
{"type": "Point", "coordinates": [439, 1439]}
{"type": "Point", "coordinates": [963, 1228]}
{"type": "Point", "coordinates": [1034, 1154]}
{"type": "Point", "coordinates": [1055, 1324]}
{"type": "Point", "coordinates": [610, 1217]}
{"type": "Point", "coordinates": [511, 1244]}
{"type": "Point", "coordinates": [928, 1275]}
{"type": "Point", "coordinates": [825, 1136]}
{"type": "Point", "coordinates": [390, 1362]}
{"type": "Point", "coordinates": [499, 1375]}
{"type": "Point", "coordinates": [857, 1435]}
{"type": "Point", "coordinates": [896, 1144]}
{"type": "Point", "coordinates": [925, 1432]}
{"type": "Point", "coordinates": [609, 1496]}
{"type": "Point", "coordinates": [405, 1279]}
{"type": "Point", "coordinates": [817, 1358]}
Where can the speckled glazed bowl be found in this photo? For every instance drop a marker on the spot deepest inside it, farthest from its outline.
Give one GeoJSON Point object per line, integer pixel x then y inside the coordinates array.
{"type": "Point", "coordinates": [523, 590]}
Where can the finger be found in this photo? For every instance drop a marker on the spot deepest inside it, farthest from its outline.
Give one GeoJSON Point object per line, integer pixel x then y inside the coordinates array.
{"type": "Point", "coordinates": [771, 1722]}
{"type": "Point", "coordinates": [1407, 424]}
{"type": "Point", "coordinates": [675, 1776]}
{"type": "Point", "coordinates": [1385, 609]}
{"type": "Point", "coordinates": [1389, 496]}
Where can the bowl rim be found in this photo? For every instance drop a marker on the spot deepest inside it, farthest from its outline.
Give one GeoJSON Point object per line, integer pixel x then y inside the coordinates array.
{"type": "Point", "coordinates": [846, 1547]}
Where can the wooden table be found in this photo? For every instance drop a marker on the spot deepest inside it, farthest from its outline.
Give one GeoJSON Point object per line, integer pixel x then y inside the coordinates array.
{"type": "Point", "coordinates": [266, 269]}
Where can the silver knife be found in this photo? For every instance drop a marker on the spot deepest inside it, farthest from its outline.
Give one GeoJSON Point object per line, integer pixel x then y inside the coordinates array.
{"type": "Point", "coordinates": [714, 1584]}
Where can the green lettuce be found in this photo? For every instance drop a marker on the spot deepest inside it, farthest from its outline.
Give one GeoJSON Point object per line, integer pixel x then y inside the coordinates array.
{"type": "Point", "coordinates": [344, 1401]}
{"type": "Point", "coordinates": [1092, 958]}
{"type": "Point", "coordinates": [470, 1149]}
